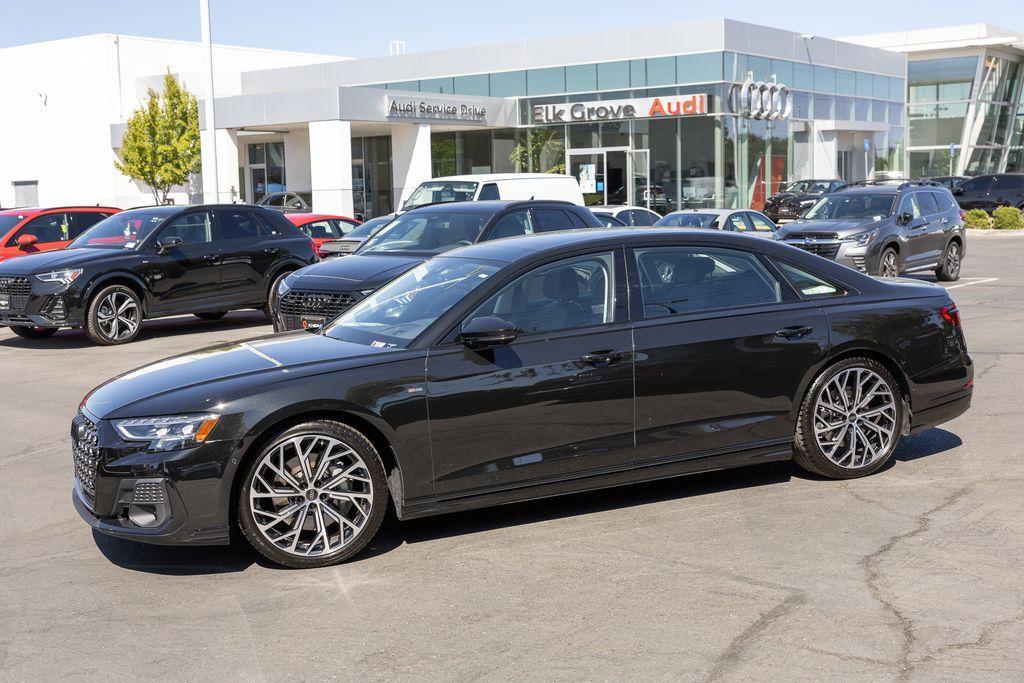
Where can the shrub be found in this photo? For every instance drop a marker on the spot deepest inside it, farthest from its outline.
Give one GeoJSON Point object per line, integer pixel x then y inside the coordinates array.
{"type": "Point", "coordinates": [1007, 218]}
{"type": "Point", "coordinates": [976, 218]}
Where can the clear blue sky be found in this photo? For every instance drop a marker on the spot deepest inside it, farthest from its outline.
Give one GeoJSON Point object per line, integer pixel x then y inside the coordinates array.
{"type": "Point", "coordinates": [360, 29]}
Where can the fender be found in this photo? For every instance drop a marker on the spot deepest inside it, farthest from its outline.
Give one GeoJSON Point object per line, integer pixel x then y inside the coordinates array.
{"type": "Point", "coordinates": [97, 282]}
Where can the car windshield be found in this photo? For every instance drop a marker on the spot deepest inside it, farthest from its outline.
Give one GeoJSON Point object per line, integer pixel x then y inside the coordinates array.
{"type": "Point", "coordinates": [430, 232]}
{"type": "Point", "coordinates": [441, 191]}
{"type": "Point", "coordinates": [397, 313]}
{"type": "Point", "coordinates": [688, 220]}
{"type": "Point", "coordinates": [852, 205]}
{"type": "Point", "coordinates": [125, 230]}
{"type": "Point", "coordinates": [808, 187]}
{"type": "Point", "coordinates": [370, 227]}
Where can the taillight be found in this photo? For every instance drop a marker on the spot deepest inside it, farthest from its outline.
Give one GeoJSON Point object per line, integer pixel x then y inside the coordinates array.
{"type": "Point", "coordinates": [963, 214]}
{"type": "Point", "coordinates": [951, 314]}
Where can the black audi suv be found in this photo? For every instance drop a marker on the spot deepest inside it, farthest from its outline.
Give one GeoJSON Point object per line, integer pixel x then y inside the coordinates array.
{"type": "Point", "coordinates": [791, 203]}
{"type": "Point", "coordinates": [149, 263]}
{"type": "Point", "coordinates": [885, 228]}
{"type": "Point", "coordinates": [518, 369]}
{"type": "Point", "coordinates": [310, 297]}
{"type": "Point", "coordinates": [989, 192]}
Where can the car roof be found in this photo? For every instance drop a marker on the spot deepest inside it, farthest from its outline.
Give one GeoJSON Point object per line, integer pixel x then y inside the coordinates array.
{"type": "Point", "coordinates": [491, 177]}
{"type": "Point", "coordinates": [35, 210]}
{"type": "Point", "coordinates": [297, 217]}
{"type": "Point", "coordinates": [714, 212]}
{"type": "Point", "coordinates": [486, 206]}
{"type": "Point", "coordinates": [617, 207]}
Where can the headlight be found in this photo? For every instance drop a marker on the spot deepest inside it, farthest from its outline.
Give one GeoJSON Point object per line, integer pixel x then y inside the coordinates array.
{"type": "Point", "coordinates": [65, 277]}
{"type": "Point", "coordinates": [862, 239]}
{"type": "Point", "coordinates": [285, 285]}
{"type": "Point", "coordinates": [168, 433]}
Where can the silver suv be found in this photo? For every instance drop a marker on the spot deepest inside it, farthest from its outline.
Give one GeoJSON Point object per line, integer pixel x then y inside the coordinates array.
{"type": "Point", "coordinates": [885, 229]}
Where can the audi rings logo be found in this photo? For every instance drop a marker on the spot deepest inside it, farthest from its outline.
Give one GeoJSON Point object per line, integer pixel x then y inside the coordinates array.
{"type": "Point", "coordinates": [764, 100]}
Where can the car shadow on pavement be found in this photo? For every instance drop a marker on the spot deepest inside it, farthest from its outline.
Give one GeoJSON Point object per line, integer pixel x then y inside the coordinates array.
{"type": "Point", "coordinates": [177, 560]}
{"type": "Point", "coordinates": [159, 327]}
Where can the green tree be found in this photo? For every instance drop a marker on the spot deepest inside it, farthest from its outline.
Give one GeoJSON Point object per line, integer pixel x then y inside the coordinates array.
{"type": "Point", "coordinates": [160, 146]}
{"type": "Point", "coordinates": [544, 147]}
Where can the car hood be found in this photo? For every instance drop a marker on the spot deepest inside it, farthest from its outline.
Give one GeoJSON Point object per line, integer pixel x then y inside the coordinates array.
{"type": "Point", "coordinates": [786, 197]}
{"type": "Point", "coordinates": [202, 379]}
{"type": "Point", "coordinates": [46, 261]}
{"type": "Point", "coordinates": [843, 227]}
{"type": "Point", "coordinates": [355, 272]}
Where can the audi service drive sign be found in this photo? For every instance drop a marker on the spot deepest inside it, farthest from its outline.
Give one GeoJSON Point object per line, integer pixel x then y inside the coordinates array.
{"type": "Point", "coordinates": [609, 110]}
{"type": "Point", "coordinates": [433, 110]}
{"type": "Point", "coordinates": [764, 100]}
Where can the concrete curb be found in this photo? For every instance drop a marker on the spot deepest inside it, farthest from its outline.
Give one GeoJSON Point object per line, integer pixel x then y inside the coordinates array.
{"type": "Point", "coordinates": [992, 231]}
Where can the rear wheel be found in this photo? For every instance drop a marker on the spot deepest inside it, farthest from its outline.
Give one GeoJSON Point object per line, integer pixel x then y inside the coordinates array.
{"type": "Point", "coordinates": [114, 316]}
{"type": "Point", "coordinates": [889, 263]}
{"type": "Point", "coordinates": [34, 332]}
{"type": "Point", "coordinates": [315, 496]}
{"type": "Point", "coordinates": [216, 315]}
{"type": "Point", "coordinates": [850, 420]}
{"type": "Point", "coordinates": [949, 270]}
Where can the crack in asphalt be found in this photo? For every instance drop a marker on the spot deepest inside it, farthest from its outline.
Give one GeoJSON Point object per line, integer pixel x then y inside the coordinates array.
{"type": "Point", "coordinates": [734, 653]}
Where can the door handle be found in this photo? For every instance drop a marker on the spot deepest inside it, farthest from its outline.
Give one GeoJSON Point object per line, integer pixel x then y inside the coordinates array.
{"type": "Point", "coordinates": [795, 332]}
{"type": "Point", "coordinates": [601, 358]}
{"type": "Point", "coordinates": [212, 258]}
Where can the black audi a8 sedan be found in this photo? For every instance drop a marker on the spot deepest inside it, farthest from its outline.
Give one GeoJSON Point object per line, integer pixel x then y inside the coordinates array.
{"type": "Point", "coordinates": [519, 369]}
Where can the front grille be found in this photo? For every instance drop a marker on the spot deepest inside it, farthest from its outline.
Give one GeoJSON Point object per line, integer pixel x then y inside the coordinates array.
{"type": "Point", "coordinates": [85, 451]}
{"type": "Point", "coordinates": [326, 304]}
{"type": "Point", "coordinates": [339, 247]}
{"type": "Point", "coordinates": [824, 249]}
{"type": "Point", "coordinates": [18, 288]}
{"type": "Point", "coordinates": [14, 319]}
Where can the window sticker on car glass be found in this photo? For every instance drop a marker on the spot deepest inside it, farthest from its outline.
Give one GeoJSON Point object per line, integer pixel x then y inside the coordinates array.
{"type": "Point", "coordinates": [129, 245]}
{"type": "Point", "coordinates": [876, 218]}
{"type": "Point", "coordinates": [819, 289]}
{"type": "Point", "coordinates": [382, 345]}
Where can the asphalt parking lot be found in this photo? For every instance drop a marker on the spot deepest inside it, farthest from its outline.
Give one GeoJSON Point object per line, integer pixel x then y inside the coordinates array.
{"type": "Point", "coordinates": [763, 573]}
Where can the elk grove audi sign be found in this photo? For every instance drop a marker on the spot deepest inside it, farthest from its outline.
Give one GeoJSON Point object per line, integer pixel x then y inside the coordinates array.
{"type": "Point", "coordinates": [609, 110]}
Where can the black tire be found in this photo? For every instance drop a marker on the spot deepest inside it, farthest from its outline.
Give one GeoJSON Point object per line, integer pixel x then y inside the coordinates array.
{"type": "Point", "coordinates": [952, 258]}
{"type": "Point", "coordinates": [94, 327]}
{"type": "Point", "coordinates": [373, 468]}
{"type": "Point", "coordinates": [215, 315]}
{"type": "Point", "coordinates": [808, 453]}
{"type": "Point", "coordinates": [270, 308]}
{"type": "Point", "coordinates": [889, 263]}
{"type": "Point", "coordinates": [34, 332]}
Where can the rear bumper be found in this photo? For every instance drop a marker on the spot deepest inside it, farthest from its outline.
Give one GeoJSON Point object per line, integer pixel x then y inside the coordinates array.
{"type": "Point", "coordinates": [935, 416]}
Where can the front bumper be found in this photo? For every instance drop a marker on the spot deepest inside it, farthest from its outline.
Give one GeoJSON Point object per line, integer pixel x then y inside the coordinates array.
{"type": "Point", "coordinates": [845, 252]}
{"type": "Point", "coordinates": [29, 302]}
{"type": "Point", "coordinates": [301, 309]}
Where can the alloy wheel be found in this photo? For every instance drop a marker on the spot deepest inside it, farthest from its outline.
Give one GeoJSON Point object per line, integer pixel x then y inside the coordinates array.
{"type": "Point", "coordinates": [890, 264]}
{"type": "Point", "coordinates": [855, 418]}
{"type": "Point", "coordinates": [953, 260]}
{"type": "Point", "coordinates": [311, 495]}
{"type": "Point", "coordinates": [118, 316]}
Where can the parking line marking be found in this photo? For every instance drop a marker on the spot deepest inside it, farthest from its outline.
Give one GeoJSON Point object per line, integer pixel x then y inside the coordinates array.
{"type": "Point", "coordinates": [979, 281]}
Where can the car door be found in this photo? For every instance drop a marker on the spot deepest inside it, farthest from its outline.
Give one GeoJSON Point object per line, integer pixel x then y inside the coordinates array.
{"type": "Point", "coordinates": [1007, 190]}
{"type": "Point", "coordinates": [914, 226]}
{"type": "Point", "coordinates": [932, 242]}
{"type": "Point", "coordinates": [557, 401]}
{"type": "Point", "coordinates": [973, 194]}
{"type": "Point", "coordinates": [722, 347]}
{"type": "Point", "coordinates": [247, 255]}
{"type": "Point", "coordinates": [83, 220]}
{"type": "Point", "coordinates": [187, 274]}
{"type": "Point", "coordinates": [51, 231]}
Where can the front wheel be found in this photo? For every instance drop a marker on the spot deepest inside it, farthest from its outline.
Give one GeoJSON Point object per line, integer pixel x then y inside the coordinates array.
{"type": "Point", "coordinates": [850, 420]}
{"type": "Point", "coordinates": [34, 332]}
{"type": "Point", "coordinates": [114, 316]}
{"type": "Point", "coordinates": [952, 258]}
{"type": "Point", "coordinates": [889, 263]}
{"type": "Point", "coordinates": [271, 306]}
{"type": "Point", "coordinates": [315, 496]}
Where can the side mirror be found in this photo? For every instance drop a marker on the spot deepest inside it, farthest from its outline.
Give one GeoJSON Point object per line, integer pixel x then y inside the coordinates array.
{"type": "Point", "coordinates": [906, 217]}
{"type": "Point", "coordinates": [487, 331]}
{"type": "Point", "coordinates": [26, 241]}
{"type": "Point", "coordinates": [958, 190]}
{"type": "Point", "coordinates": [167, 243]}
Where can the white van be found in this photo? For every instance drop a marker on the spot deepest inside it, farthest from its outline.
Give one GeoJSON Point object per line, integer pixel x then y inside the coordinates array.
{"type": "Point", "coordinates": [470, 188]}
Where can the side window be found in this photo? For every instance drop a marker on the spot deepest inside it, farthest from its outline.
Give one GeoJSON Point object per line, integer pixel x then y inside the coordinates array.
{"type": "Point", "coordinates": [981, 184]}
{"type": "Point", "coordinates": [52, 227]}
{"type": "Point", "coordinates": [268, 227]}
{"type": "Point", "coordinates": [910, 205]}
{"type": "Point", "coordinates": [643, 218]}
{"type": "Point", "coordinates": [83, 220]}
{"type": "Point", "coordinates": [344, 227]}
{"type": "Point", "coordinates": [926, 200]}
{"type": "Point", "coordinates": [760, 223]}
{"type": "Point", "coordinates": [944, 200]}
{"type": "Point", "coordinates": [807, 284]}
{"type": "Point", "coordinates": [569, 294]}
{"type": "Point", "coordinates": [293, 201]}
{"type": "Point", "coordinates": [511, 225]}
{"type": "Point", "coordinates": [489, 191]}
{"type": "Point", "coordinates": [237, 225]}
{"type": "Point", "coordinates": [321, 230]}
{"type": "Point", "coordinates": [550, 220]}
{"type": "Point", "coordinates": [192, 229]}
{"type": "Point", "coordinates": [575, 220]}
{"type": "Point", "coordinates": [687, 279]}
{"type": "Point", "coordinates": [736, 222]}
{"type": "Point", "coordinates": [1008, 183]}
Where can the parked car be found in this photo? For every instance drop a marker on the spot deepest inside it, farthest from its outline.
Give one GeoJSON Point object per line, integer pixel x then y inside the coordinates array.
{"type": "Point", "coordinates": [30, 231]}
{"type": "Point", "coordinates": [885, 229]}
{"type": "Point", "coordinates": [735, 220]}
{"type": "Point", "coordinates": [312, 296]}
{"type": "Point", "coordinates": [323, 227]}
{"type": "Point", "coordinates": [352, 240]}
{"type": "Point", "coordinates": [149, 263]}
{"type": "Point", "coordinates": [636, 216]}
{"type": "Point", "coordinates": [989, 192]}
{"type": "Point", "coordinates": [949, 181]}
{"type": "Point", "coordinates": [288, 202]}
{"type": "Point", "coordinates": [513, 370]}
{"type": "Point", "coordinates": [651, 195]}
{"type": "Point", "coordinates": [491, 186]}
{"type": "Point", "coordinates": [609, 221]}
{"type": "Point", "coordinates": [797, 198]}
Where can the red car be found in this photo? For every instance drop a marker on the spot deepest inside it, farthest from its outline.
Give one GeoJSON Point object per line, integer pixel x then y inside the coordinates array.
{"type": "Point", "coordinates": [323, 227]}
{"type": "Point", "coordinates": [30, 231]}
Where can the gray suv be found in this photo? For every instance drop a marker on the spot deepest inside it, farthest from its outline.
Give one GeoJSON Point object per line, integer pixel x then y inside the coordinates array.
{"type": "Point", "coordinates": [885, 229]}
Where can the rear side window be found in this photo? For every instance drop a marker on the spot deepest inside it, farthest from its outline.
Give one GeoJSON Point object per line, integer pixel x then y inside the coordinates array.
{"type": "Point", "coordinates": [735, 222]}
{"type": "Point", "coordinates": [944, 200]}
{"type": "Point", "coordinates": [83, 220]}
{"type": "Point", "coordinates": [274, 227]}
{"type": "Point", "coordinates": [688, 279]}
{"type": "Point", "coordinates": [760, 223]}
{"type": "Point", "coordinates": [512, 225]}
{"type": "Point", "coordinates": [1008, 182]}
{"type": "Point", "coordinates": [237, 225]}
{"type": "Point", "coordinates": [927, 203]}
{"type": "Point", "coordinates": [575, 220]}
{"type": "Point", "coordinates": [807, 284]}
{"type": "Point", "coordinates": [981, 184]}
{"type": "Point", "coordinates": [549, 220]}
{"type": "Point", "coordinates": [489, 191]}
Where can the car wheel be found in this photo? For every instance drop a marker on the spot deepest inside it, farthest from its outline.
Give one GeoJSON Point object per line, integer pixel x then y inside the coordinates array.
{"type": "Point", "coordinates": [114, 316]}
{"type": "Point", "coordinates": [850, 420]}
{"type": "Point", "coordinates": [949, 270]}
{"type": "Point", "coordinates": [34, 332]}
{"type": "Point", "coordinates": [216, 315]}
{"type": "Point", "coordinates": [889, 263]}
{"type": "Point", "coordinates": [271, 306]}
{"type": "Point", "coordinates": [315, 496]}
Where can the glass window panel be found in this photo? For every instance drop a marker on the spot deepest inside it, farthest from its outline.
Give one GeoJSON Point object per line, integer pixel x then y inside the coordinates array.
{"type": "Point", "coordinates": [824, 79]}
{"type": "Point", "coordinates": [663, 143]}
{"type": "Point", "coordinates": [881, 87]}
{"type": "Point", "coordinates": [699, 68]}
{"type": "Point", "coordinates": [844, 108]}
{"type": "Point", "coordinates": [735, 67]}
{"type": "Point", "coordinates": [615, 134]}
{"type": "Point", "coordinates": [547, 149]}
{"type": "Point", "coordinates": [508, 84]}
{"type": "Point", "coordinates": [803, 77]}
{"type": "Point", "coordinates": [783, 71]}
{"type": "Point", "coordinates": [581, 78]}
{"type": "Point", "coordinates": [846, 82]}
{"type": "Point", "coordinates": [584, 135]}
{"type": "Point", "coordinates": [473, 148]}
{"type": "Point", "coordinates": [697, 167]}
{"type": "Point", "coordinates": [897, 89]}
{"type": "Point", "coordinates": [438, 85]}
{"type": "Point", "coordinates": [936, 80]}
{"type": "Point", "coordinates": [862, 110]}
{"type": "Point", "coordinates": [932, 162]}
{"type": "Point", "coordinates": [936, 124]}
{"type": "Point", "coordinates": [472, 85]}
{"type": "Point", "coordinates": [896, 113]}
{"type": "Point", "coordinates": [761, 66]}
{"type": "Point", "coordinates": [994, 120]}
{"type": "Point", "coordinates": [613, 75]}
{"type": "Point", "coordinates": [801, 105]}
{"type": "Point", "coordinates": [661, 71]}
{"type": "Point", "coordinates": [545, 81]}
{"type": "Point", "coordinates": [878, 112]}
{"type": "Point", "coordinates": [865, 85]}
{"type": "Point", "coordinates": [638, 73]}
{"type": "Point", "coordinates": [503, 142]}
{"type": "Point", "coordinates": [405, 85]}
{"type": "Point", "coordinates": [823, 107]}
{"type": "Point", "coordinates": [442, 154]}
{"type": "Point", "coordinates": [983, 160]}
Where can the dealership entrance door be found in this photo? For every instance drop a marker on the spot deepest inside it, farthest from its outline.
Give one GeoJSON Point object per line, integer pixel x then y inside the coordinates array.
{"type": "Point", "coordinates": [613, 176]}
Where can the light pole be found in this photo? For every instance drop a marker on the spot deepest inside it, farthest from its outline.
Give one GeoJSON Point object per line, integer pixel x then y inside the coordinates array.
{"type": "Point", "coordinates": [208, 117]}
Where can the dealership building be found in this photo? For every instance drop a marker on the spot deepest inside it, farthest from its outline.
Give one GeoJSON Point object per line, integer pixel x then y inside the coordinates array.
{"type": "Point", "coordinates": [699, 114]}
